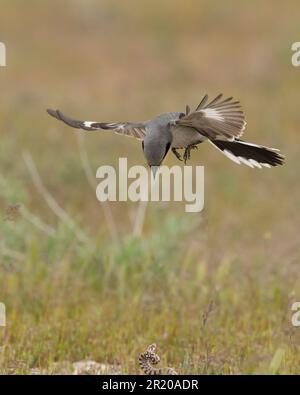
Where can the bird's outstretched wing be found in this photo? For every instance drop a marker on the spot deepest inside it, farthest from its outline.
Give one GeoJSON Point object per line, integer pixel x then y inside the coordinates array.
{"type": "Point", "coordinates": [216, 119]}
{"type": "Point", "coordinates": [137, 130]}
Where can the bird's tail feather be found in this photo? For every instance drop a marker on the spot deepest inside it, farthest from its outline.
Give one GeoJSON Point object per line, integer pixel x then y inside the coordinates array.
{"type": "Point", "coordinates": [250, 154]}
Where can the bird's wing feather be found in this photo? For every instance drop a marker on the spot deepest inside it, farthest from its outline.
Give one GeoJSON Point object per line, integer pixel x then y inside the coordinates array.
{"type": "Point", "coordinates": [217, 119]}
{"type": "Point", "coordinates": [137, 130]}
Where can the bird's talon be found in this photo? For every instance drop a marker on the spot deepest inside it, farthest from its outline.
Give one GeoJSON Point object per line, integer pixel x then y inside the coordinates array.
{"type": "Point", "coordinates": [187, 152]}
{"type": "Point", "coordinates": [177, 154]}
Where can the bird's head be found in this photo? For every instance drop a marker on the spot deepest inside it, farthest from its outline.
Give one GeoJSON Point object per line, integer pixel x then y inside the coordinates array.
{"type": "Point", "coordinates": [155, 151]}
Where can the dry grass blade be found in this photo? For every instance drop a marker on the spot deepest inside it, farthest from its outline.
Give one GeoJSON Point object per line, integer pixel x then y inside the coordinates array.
{"type": "Point", "coordinates": [37, 222]}
{"type": "Point", "coordinates": [140, 218]}
{"type": "Point", "coordinates": [52, 203]}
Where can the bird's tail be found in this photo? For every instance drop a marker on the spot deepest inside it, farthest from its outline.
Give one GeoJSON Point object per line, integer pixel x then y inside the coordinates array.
{"type": "Point", "coordinates": [250, 154]}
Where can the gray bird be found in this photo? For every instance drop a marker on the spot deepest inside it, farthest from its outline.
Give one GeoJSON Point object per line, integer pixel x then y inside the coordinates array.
{"type": "Point", "coordinates": [220, 122]}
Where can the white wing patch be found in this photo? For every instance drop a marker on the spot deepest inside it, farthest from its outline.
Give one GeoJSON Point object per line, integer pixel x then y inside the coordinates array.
{"type": "Point", "coordinates": [112, 125]}
{"type": "Point", "coordinates": [88, 124]}
{"type": "Point", "coordinates": [213, 114]}
{"type": "Point", "coordinates": [217, 119]}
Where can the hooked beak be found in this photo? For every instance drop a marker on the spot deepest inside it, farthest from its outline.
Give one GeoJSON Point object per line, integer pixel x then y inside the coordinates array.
{"type": "Point", "coordinates": [154, 170]}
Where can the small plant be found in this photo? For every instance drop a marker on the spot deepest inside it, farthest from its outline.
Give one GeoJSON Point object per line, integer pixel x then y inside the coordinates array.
{"type": "Point", "coordinates": [149, 358]}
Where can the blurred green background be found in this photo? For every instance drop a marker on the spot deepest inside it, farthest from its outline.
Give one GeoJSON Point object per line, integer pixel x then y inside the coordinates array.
{"type": "Point", "coordinates": [213, 289]}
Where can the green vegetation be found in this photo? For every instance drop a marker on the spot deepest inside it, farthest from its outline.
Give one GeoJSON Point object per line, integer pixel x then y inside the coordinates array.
{"type": "Point", "coordinates": [214, 289]}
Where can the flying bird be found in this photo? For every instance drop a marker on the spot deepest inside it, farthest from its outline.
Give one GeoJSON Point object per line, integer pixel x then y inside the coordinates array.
{"type": "Point", "coordinates": [221, 122]}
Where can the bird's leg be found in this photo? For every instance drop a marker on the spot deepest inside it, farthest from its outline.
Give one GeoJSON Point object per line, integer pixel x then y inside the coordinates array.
{"type": "Point", "coordinates": [177, 154]}
{"type": "Point", "coordinates": [187, 152]}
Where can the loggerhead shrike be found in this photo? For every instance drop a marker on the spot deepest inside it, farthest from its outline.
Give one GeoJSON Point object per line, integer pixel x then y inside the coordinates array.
{"type": "Point", "coordinates": [220, 122]}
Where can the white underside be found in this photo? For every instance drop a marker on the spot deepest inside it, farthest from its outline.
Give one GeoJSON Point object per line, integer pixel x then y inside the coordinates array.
{"type": "Point", "coordinates": [184, 136]}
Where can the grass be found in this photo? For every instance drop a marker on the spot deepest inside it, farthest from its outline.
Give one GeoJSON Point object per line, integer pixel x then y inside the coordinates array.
{"type": "Point", "coordinates": [214, 289]}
